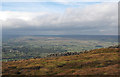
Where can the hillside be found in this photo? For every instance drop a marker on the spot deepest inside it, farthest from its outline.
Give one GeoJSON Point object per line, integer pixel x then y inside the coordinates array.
{"type": "Point", "coordinates": [102, 61]}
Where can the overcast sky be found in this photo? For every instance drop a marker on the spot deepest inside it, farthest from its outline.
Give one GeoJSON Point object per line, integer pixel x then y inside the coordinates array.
{"type": "Point", "coordinates": [59, 18]}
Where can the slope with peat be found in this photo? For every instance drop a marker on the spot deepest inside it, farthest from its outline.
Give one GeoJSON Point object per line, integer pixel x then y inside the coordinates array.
{"type": "Point", "coordinates": [103, 61]}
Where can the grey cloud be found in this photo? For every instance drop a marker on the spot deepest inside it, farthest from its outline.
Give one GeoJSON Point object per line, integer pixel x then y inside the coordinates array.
{"type": "Point", "coordinates": [93, 19]}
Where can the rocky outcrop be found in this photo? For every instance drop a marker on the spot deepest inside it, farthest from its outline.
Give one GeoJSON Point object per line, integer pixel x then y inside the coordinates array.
{"type": "Point", "coordinates": [65, 54]}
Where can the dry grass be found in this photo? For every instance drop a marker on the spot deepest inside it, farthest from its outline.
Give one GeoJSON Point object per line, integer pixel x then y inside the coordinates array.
{"type": "Point", "coordinates": [102, 61]}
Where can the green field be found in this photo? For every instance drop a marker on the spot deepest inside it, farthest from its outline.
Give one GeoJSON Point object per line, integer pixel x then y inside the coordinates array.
{"type": "Point", "coordinates": [26, 47]}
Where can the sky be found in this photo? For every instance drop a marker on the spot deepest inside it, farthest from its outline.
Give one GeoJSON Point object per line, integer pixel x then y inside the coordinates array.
{"type": "Point", "coordinates": [60, 1]}
{"type": "Point", "coordinates": [59, 18]}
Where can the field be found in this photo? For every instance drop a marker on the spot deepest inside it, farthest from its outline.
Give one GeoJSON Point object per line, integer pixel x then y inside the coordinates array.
{"type": "Point", "coordinates": [25, 47]}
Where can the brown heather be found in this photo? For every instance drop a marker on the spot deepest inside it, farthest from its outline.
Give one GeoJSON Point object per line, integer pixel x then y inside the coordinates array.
{"type": "Point", "coordinates": [102, 61]}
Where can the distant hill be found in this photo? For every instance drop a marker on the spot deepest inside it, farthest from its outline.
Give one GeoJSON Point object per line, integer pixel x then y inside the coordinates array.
{"type": "Point", "coordinates": [102, 61]}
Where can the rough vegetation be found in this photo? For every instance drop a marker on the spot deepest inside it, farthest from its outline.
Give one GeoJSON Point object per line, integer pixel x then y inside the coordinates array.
{"type": "Point", "coordinates": [102, 61]}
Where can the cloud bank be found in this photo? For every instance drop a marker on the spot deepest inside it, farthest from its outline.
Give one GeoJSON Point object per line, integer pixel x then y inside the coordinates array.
{"type": "Point", "coordinates": [97, 19]}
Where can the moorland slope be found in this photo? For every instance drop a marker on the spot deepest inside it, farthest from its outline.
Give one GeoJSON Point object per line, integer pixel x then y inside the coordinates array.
{"type": "Point", "coordinates": [102, 61]}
